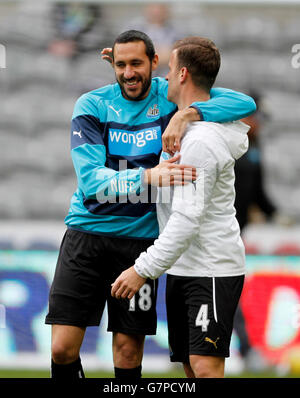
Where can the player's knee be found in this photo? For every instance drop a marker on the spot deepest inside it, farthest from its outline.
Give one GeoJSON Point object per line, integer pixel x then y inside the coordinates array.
{"type": "Point", "coordinates": [188, 371]}
{"type": "Point", "coordinates": [202, 372]}
{"type": "Point", "coordinates": [128, 352]}
{"type": "Point", "coordinates": [207, 369]}
{"type": "Point", "coordinates": [63, 354]}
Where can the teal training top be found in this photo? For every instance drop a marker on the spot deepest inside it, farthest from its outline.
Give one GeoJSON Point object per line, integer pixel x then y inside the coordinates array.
{"type": "Point", "coordinates": [113, 140]}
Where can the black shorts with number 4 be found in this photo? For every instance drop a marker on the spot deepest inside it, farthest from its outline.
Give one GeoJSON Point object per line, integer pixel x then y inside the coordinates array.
{"type": "Point", "coordinates": [200, 312]}
{"type": "Point", "coordinates": [87, 266]}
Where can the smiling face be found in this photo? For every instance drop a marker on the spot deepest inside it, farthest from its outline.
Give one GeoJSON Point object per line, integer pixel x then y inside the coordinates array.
{"type": "Point", "coordinates": [133, 69]}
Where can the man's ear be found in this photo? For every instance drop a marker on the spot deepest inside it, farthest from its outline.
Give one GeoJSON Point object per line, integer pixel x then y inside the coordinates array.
{"type": "Point", "coordinates": [155, 62]}
{"type": "Point", "coordinates": [183, 74]}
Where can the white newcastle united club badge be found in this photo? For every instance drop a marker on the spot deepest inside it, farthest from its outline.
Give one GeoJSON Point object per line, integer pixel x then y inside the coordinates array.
{"type": "Point", "coordinates": [153, 111]}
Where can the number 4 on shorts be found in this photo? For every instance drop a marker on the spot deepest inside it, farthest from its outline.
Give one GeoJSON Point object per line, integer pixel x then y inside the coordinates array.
{"type": "Point", "coordinates": [202, 318]}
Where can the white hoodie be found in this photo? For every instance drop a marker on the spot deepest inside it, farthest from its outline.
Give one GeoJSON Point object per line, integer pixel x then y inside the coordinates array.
{"type": "Point", "coordinates": [199, 234]}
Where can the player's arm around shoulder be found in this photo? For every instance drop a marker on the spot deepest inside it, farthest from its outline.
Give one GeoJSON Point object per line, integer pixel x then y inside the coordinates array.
{"type": "Point", "coordinates": [224, 105]}
{"type": "Point", "coordinates": [171, 139]}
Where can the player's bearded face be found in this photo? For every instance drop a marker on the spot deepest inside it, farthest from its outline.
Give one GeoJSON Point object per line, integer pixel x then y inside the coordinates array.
{"type": "Point", "coordinates": [133, 70]}
{"type": "Point", "coordinates": [135, 88]}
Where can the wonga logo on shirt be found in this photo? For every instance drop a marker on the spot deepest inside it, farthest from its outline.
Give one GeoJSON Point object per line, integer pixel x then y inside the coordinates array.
{"type": "Point", "coordinates": [134, 143]}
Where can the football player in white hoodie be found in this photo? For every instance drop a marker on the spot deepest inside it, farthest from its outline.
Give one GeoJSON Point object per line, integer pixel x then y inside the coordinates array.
{"type": "Point", "coordinates": [199, 246]}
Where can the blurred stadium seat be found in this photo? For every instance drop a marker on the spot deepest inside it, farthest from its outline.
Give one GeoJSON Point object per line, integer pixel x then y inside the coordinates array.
{"type": "Point", "coordinates": [42, 245]}
{"type": "Point", "coordinates": [6, 245]}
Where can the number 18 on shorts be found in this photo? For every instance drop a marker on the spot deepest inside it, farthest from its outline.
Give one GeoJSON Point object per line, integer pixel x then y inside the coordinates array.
{"type": "Point", "coordinates": [137, 315]}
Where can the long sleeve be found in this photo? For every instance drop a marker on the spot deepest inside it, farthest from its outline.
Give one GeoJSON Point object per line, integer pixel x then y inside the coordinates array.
{"type": "Point", "coordinates": [225, 105]}
{"type": "Point", "coordinates": [88, 152]}
{"type": "Point", "coordinates": [188, 207]}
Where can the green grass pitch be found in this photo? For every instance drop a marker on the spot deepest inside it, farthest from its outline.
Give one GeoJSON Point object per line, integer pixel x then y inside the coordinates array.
{"type": "Point", "coordinates": [22, 373]}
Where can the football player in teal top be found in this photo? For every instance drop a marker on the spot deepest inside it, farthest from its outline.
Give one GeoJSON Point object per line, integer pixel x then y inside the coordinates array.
{"type": "Point", "coordinates": [116, 141]}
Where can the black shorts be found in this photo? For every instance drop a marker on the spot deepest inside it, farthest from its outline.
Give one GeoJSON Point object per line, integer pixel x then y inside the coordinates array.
{"type": "Point", "coordinates": [200, 313]}
{"type": "Point", "coordinates": [86, 267]}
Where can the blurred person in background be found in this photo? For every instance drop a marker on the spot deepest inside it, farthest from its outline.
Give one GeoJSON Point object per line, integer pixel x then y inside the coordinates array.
{"type": "Point", "coordinates": [78, 30]}
{"type": "Point", "coordinates": [72, 22]}
{"type": "Point", "coordinates": [249, 183]}
{"type": "Point", "coordinates": [156, 23]}
{"type": "Point", "coordinates": [251, 196]}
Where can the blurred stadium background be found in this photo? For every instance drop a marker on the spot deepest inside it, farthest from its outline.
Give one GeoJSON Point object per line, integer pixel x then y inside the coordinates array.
{"type": "Point", "coordinates": [52, 56]}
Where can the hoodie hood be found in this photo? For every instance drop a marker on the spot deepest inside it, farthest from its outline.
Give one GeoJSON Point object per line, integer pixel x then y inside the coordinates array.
{"type": "Point", "coordinates": [236, 138]}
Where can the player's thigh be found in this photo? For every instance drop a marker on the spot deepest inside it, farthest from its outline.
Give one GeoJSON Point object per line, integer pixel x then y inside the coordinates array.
{"type": "Point", "coordinates": [200, 314]}
{"type": "Point", "coordinates": [138, 315]}
{"type": "Point", "coordinates": [177, 320]}
{"type": "Point", "coordinates": [135, 316]}
{"type": "Point", "coordinates": [212, 303]}
{"type": "Point", "coordinates": [79, 288]}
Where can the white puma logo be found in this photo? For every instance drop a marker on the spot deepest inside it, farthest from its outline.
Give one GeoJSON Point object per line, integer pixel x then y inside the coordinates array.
{"type": "Point", "coordinates": [77, 133]}
{"type": "Point", "coordinates": [117, 112]}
